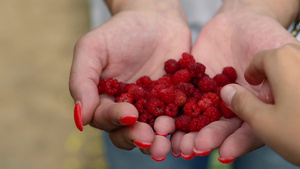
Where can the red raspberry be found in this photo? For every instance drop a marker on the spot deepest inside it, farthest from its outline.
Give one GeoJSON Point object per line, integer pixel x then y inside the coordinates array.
{"type": "Point", "coordinates": [207, 84]}
{"type": "Point", "coordinates": [196, 69]}
{"type": "Point", "coordinates": [144, 81]}
{"type": "Point", "coordinates": [191, 108]}
{"type": "Point", "coordinates": [197, 94]}
{"type": "Point", "coordinates": [230, 72]}
{"type": "Point", "coordinates": [182, 122]}
{"type": "Point", "coordinates": [140, 93]}
{"type": "Point", "coordinates": [156, 107]}
{"type": "Point", "coordinates": [226, 112]}
{"type": "Point", "coordinates": [198, 123]}
{"type": "Point", "coordinates": [188, 88]}
{"type": "Point", "coordinates": [215, 99]}
{"type": "Point", "coordinates": [180, 97]}
{"type": "Point", "coordinates": [185, 60]}
{"type": "Point", "coordinates": [171, 66]}
{"type": "Point", "coordinates": [111, 86]}
{"type": "Point", "coordinates": [147, 118]}
{"type": "Point", "coordinates": [167, 94]}
{"type": "Point", "coordinates": [129, 88]}
{"type": "Point", "coordinates": [171, 110]}
{"type": "Point", "coordinates": [182, 75]}
{"type": "Point", "coordinates": [154, 91]}
{"type": "Point", "coordinates": [125, 97]}
{"type": "Point", "coordinates": [205, 103]}
{"type": "Point", "coordinates": [213, 113]}
{"type": "Point", "coordinates": [101, 86]}
{"type": "Point", "coordinates": [141, 106]}
{"type": "Point", "coordinates": [222, 79]}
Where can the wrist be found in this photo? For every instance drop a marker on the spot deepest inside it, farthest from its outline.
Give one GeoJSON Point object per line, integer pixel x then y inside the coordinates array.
{"type": "Point", "coordinates": [283, 11]}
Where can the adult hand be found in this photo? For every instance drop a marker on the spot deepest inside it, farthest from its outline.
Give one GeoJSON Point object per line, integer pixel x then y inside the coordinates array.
{"type": "Point", "coordinates": [133, 43]}
{"type": "Point", "coordinates": [232, 38]}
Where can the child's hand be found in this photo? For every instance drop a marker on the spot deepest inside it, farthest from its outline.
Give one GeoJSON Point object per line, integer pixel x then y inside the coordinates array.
{"type": "Point", "coordinates": [277, 124]}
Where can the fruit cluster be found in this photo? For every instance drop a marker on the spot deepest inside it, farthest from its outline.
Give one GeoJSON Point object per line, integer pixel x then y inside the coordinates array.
{"type": "Point", "coordinates": [185, 93]}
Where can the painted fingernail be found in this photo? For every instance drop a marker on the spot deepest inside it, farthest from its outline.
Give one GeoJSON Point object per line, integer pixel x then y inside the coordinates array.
{"type": "Point", "coordinates": [78, 116]}
{"type": "Point", "coordinates": [226, 160]}
{"type": "Point", "coordinates": [164, 135]}
{"type": "Point", "coordinates": [202, 153]}
{"type": "Point", "coordinates": [142, 145]}
{"type": "Point", "coordinates": [159, 159]}
{"type": "Point", "coordinates": [128, 120]}
{"type": "Point", "coordinates": [176, 155]}
{"type": "Point", "coordinates": [187, 157]}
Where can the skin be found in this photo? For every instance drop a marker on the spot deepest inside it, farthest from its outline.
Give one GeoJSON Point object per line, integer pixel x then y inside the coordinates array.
{"type": "Point", "coordinates": [142, 35]}
{"type": "Point", "coordinates": [275, 124]}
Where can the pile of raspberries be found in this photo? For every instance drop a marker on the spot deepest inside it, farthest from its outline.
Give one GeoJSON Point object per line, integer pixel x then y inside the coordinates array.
{"type": "Point", "coordinates": [185, 93]}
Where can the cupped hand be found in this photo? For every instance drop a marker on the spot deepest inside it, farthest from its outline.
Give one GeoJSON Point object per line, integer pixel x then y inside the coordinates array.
{"type": "Point", "coordinates": [130, 45]}
{"type": "Point", "coordinates": [231, 39]}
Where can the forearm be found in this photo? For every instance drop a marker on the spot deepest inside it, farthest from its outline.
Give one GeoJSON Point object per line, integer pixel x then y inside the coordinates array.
{"type": "Point", "coordinates": [284, 11]}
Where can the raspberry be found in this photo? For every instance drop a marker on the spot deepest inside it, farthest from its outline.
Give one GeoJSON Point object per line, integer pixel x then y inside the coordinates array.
{"type": "Point", "coordinates": [171, 66]}
{"type": "Point", "coordinates": [222, 79]}
{"type": "Point", "coordinates": [111, 86]}
{"type": "Point", "coordinates": [141, 106]}
{"type": "Point", "coordinates": [101, 86]}
{"type": "Point", "coordinates": [147, 118]}
{"type": "Point", "coordinates": [197, 94]}
{"type": "Point", "coordinates": [226, 112]}
{"type": "Point", "coordinates": [188, 88]}
{"type": "Point", "coordinates": [207, 84]}
{"type": "Point", "coordinates": [196, 69]}
{"type": "Point", "coordinates": [154, 92]}
{"type": "Point", "coordinates": [156, 107]}
{"type": "Point", "coordinates": [191, 108]}
{"type": "Point", "coordinates": [167, 94]}
{"type": "Point", "coordinates": [140, 93]}
{"type": "Point", "coordinates": [205, 103]}
{"type": "Point", "coordinates": [182, 122]}
{"type": "Point", "coordinates": [180, 97]}
{"type": "Point", "coordinates": [144, 81]}
{"type": "Point", "coordinates": [129, 88]}
{"type": "Point", "coordinates": [125, 97]}
{"type": "Point", "coordinates": [182, 75]}
{"type": "Point", "coordinates": [198, 123]}
{"type": "Point", "coordinates": [230, 72]}
{"type": "Point", "coordinates": [185, 60]}
{"type": "Point", "coordinates": [215, 99]}
{"type": "Point", "coordinates": [171, 110]}
{"type": "Point", "coordinates": [213, 113]}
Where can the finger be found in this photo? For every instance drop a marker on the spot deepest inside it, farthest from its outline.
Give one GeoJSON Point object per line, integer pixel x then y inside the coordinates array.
{"type": "Point", "coordinates": [175, 143]}
{"type": "Point", "coordinates": [212, 135]}
{"type": "Point", "coordinates": [138, 135]}
{"type": "Point", "coordinates": [110, 115]}
{"type": "Point", "coordinates": [239, 143]}
{"type": "Point", "coordinates": [84, 76]}
{"type": "Point", "coordinates": [187, 145]}
{"type": "Point", "coordinates": [164, 125]}
{"type": "Point", "coordinates": [265, 93]}
{"type": "Point", "coordinates": [160, 148]}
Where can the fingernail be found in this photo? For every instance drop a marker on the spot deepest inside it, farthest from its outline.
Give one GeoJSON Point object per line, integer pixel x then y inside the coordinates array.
{"type": "Point", "coordinates": [202, 153]}
{"type": "Point", "coordinates": [159, 159]}
{"type": "Point", "coordinates": [227, 94]}
{"type": "Point", "coordinates": [142, 145]}
{"type": "Point", "coordinates": [187, 157]}
{"type": "Point", "coordinates": [78, 116]}
{"type": "Point", "coordinates": [226, 160]}
{"type": "Point", "coordinates": [164, 135]}
{"type": "Point", "coordinates": [128, 120]}
{"type": "Point", "coordinates": [176, 155]}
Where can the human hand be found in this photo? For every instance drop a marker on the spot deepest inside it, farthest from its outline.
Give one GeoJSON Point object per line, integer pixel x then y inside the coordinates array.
{"type": "Point", "coordinates": [232, 38]}
{"type": "Point", "coordinates": [133, 43]}
{"type": "Point", "coordinates": [275, 124]}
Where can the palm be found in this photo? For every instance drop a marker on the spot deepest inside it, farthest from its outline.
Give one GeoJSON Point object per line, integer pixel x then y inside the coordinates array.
{"type": "Point", "coordinates": [222, 43]}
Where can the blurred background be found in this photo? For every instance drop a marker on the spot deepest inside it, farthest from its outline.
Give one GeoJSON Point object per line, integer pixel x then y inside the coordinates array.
{"type": "Point", "coordinates": [36, 124]}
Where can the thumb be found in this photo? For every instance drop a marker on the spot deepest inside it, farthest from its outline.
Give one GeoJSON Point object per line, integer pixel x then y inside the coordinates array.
{"type": "Point", "coordinates": [243, 103]}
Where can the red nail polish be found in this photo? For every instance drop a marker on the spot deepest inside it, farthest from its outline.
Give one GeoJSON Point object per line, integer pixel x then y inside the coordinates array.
{"type": "Point", "coordinates": [128, 120]}
{"type": "Point", "coordinates": [187, 157]}
{"type": "Point", "coordinates": [164, 135]}
{"type": "Point", "coordinates": [78, 116]}
{"type": "Point", "coordinates": [158, 159]}
{"type": "Point", "coordinates": [202, 153]}
{"type": "Point", "coordinates": [142, 145]}
{"type": "Point", "coordinates": [226, 160]}
{"type": "Point", "coordinates": [176, 155]}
